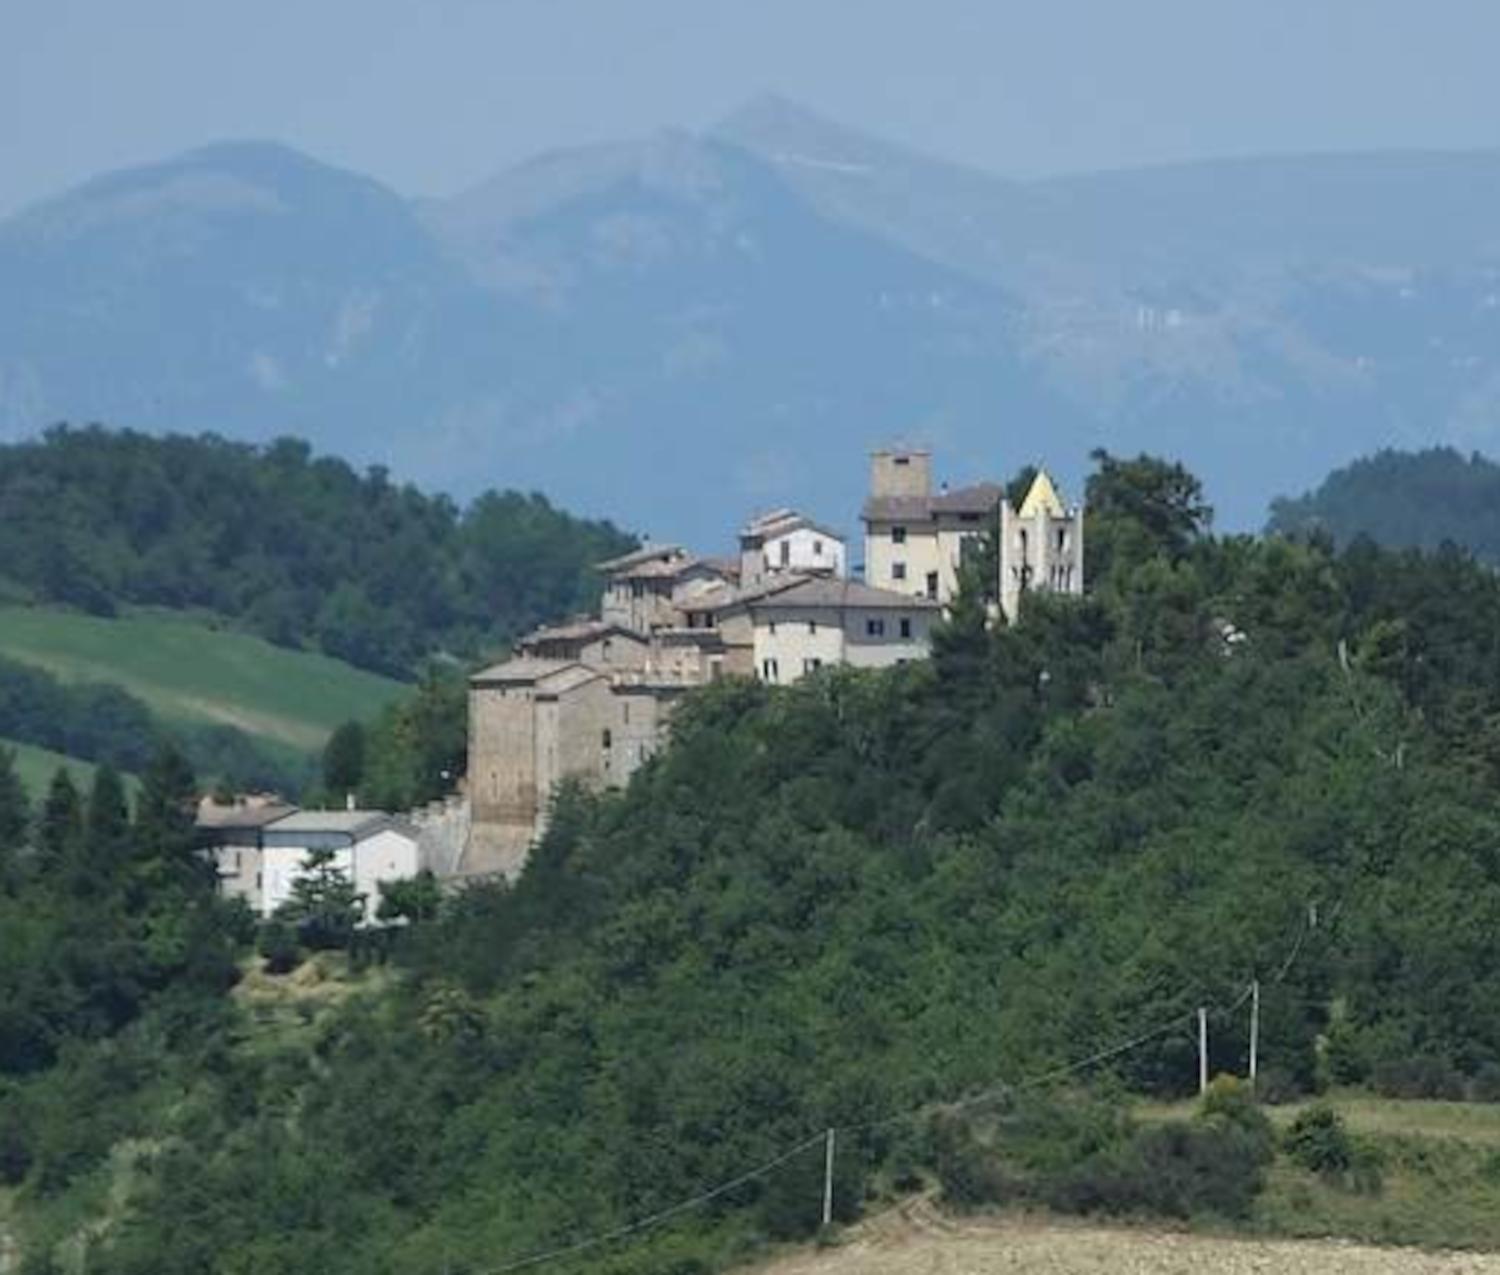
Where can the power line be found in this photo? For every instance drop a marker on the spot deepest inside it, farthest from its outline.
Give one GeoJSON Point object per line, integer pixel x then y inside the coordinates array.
{"type": "Point", "coordinates": [654, 1219]}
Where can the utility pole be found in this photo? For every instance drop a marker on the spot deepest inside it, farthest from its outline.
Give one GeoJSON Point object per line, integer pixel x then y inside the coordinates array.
{"type": "Point", "coordinates": [1202, 1050]}
{"type": "Point", "coordinates": [828, 1181]}
{"type": "Point", "coordinates": [1254, 1031]}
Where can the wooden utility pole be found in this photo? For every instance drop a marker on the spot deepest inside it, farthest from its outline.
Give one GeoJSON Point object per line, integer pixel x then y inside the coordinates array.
{"type": "Point", "coordinates": [828, 1181]}
{"type": "Point", "coordinates": [1254, 1031]}
{"type": "Point", "coordinates": [1202, 1050]}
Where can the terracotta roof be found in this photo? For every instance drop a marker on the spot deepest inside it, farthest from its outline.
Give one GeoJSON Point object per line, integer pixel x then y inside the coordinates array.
{"type": "Point", "coordinates": [214, 817]}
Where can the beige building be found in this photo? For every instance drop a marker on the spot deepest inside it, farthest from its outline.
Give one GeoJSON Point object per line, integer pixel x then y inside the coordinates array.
{"type": "Point", "coordinates": [785, 540]}
{"type": "Point", "coordinates": [915, 537]}
{"type": "Point", "coordinates": [819, 623]}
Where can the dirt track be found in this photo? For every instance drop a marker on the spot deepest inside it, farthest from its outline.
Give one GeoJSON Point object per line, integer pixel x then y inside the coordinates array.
{"type": "Point", "coordinates": [917, 1240]}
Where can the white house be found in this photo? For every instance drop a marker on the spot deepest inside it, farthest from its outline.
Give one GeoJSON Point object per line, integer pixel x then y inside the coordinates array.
{"type": "Point", "coordinates": [784, 540]}
{"type": "Point", "coordinates": [370, 845]}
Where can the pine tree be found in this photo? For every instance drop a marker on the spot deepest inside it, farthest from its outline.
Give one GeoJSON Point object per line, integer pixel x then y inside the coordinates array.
{"type": "Point", "coordinates": [325, 907]}
{"type": "Point", "coordinates": [107, 828]}
{"type": "Point", "coordinates": [59, 833]}
{"type": "Point", "coordinates": [15, 815]}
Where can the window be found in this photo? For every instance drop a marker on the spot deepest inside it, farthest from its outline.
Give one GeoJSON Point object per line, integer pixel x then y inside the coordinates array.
{"type": "Point", "coordinates": [874, 628]}
{"type": "Point", "coordinates": [607, 739]}
{"type": "Point", "coordinates": [786, 553]}
{"type": "Point", "coordinates": [773, 628]}
{"type": "Point", "coordinates": [898, 535]}
{"type": "Point", "coordinates": [906, 628]}
{"type": "Point", "coordinates": [817, 548]}
{"type": "Point", "coordinates": [898, 571]}
{"type": "Point", "coordinates": [625, 712]}
{"type": "Point", "coordinates": [932, 584]}
{"type": "Point", "coordinates": [811, 665]}
{"type": "Point", "coordinates": [901, 460]}
{"type": "Point", "coordinates": [812, 626]}
{"type": "Point", "coordinates": [968, 517]}
{"type": "Point", "coordinates": [769, 670]}
{"type": "Point", "coordinates": [1062, 539]}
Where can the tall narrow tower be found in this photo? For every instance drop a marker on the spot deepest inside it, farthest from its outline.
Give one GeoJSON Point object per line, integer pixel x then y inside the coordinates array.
{"type": "Point", "coordinates": [1041, 546]}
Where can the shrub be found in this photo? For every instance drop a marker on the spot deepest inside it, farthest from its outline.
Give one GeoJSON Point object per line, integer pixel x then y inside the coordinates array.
{"type": "Point", "coordinates": [278, 944]}
{"type": "Point", "coordinates": [1318, 1141]}
{"type": "Point", "coordinates": [1417, 1077]}
{"type": "Point", "coordinates": [1275, 1085]}
{"type": "Point", "coordinates": [1228, 1104]}
{"type": "Point", "coordinates": [1485, 1085]}
{"type": "Point", "coordinates": [1177, 1169]}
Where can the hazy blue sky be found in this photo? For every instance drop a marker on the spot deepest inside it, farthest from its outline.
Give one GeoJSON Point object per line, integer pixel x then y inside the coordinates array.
{"type": "Point", "coordinates": [431, 95]}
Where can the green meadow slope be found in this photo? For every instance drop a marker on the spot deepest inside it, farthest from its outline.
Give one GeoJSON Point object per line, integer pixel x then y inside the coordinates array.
{"type": "Point", "coordinates": [192, 673]}
{"type": "Point", "coordinates": [36, 766]}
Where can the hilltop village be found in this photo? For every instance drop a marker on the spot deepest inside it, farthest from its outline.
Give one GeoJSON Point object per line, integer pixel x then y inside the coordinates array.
{"type": "Point", "coordinates": [591, 699]}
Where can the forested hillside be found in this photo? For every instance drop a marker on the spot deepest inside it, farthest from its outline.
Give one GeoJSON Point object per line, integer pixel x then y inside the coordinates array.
{"type": "Point", "coordinates": [854, 903]}
{"type": "Point", "coordinates": [1404, 500]}
{"type": "Point", "coordinates": [298, 548]}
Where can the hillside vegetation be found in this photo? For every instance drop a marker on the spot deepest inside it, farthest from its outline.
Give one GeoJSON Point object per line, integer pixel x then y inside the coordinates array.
{"type": "Point", "coordinates": [189, 672]}
{"type": "Point", "coordinates": [299, 549]}
{"type": "Point", "coordinates": [1402, 500]}
{"type": "Point", "coordinates": [964, 912]}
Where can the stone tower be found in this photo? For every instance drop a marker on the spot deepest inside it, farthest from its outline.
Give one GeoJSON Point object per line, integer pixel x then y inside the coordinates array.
{"type": "Point", "coordinates": [1041, 546]}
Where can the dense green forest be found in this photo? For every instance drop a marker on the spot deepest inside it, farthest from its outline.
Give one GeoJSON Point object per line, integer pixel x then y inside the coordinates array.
{"type": "Point", "coordinates": [1403, 500]}
{"type": "Point", "coordinates": [300, 549]}
{"type": "Point", "coordinates": [853, 902]}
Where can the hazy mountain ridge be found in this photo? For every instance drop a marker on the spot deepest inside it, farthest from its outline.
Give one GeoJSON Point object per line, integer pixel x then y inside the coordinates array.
{"type": "Point", "coordinates": [672, 331]}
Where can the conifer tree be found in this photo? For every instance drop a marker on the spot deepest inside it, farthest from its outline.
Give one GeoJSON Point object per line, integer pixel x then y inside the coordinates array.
{"type": "Point", "coordinates": [15, 815]}
{"type": "Point", "coordinates": [59, 833]}
{"type": "Point", "coordinates": [107, 828]}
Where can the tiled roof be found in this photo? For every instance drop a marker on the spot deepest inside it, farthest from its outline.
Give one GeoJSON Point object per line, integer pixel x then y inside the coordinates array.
{"type": "Point", "coordinates": [843, 593]}
{"type": "Point", "coordinates": [354, 823]}
{"type": "Point", "coordinates": [979, 498]}
{"type": "Point", "coordinates": [614, 566]}
{"type": "Point", "coordinates": [523, 668]}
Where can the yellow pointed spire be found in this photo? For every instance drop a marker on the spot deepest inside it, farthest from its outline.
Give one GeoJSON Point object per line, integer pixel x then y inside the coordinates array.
{"type": "Point", "coordinates": [1042, 498]}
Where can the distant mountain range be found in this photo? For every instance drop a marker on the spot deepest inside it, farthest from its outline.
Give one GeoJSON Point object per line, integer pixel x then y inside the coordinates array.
{"type": "Point", "coordinates": [674, 332]}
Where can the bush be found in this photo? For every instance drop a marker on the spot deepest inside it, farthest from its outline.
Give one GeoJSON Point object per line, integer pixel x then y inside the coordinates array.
{"type": "Point", "coordinates": [1318, 1141]}
{"type": "Point", "coordinates": [1418, 1077]}
{"type": "Point", "coordinates": [1229, 1105]}
{"type": "Point", "coordinates": [1485, 1084]}
{"type": "Point", "coordinates": [1275, 1085]}
{"type": "Point", "coordinates": [278, 944]}
{"type": "Point", "coordinates": [1177, 1170]}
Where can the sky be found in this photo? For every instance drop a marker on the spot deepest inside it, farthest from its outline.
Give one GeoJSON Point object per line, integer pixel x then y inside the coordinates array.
{"type": "Point", "coordinates": [431, 96]}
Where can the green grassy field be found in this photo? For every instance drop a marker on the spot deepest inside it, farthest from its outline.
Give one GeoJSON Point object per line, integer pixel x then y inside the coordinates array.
{"type": "Point", "coordinates": [187, 671]}
{"type": "Point", "coordinates": [36, 766]}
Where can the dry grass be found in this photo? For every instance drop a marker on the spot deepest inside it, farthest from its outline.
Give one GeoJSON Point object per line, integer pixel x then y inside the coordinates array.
{"type": "Point", "coordinates": [915, 1239]}
{"type": "Point", "coordinates": [1474, 1122]}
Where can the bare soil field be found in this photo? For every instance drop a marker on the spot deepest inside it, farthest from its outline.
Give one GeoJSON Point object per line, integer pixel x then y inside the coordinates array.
{"type": "Point", "coordinates": [916, 1239]}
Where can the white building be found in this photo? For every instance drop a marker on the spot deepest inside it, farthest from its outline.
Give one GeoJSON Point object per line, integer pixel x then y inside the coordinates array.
{"type": "Point", "coordinates": [370, 845]}
{"type": "Point", "coordinates": [785, 540]}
